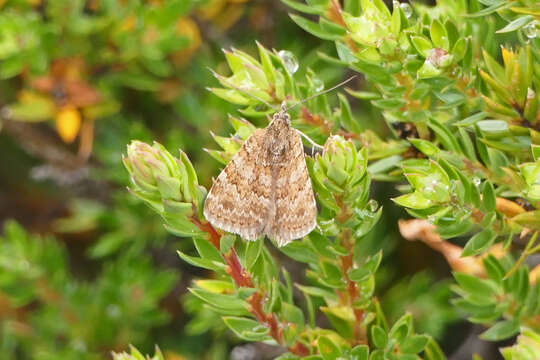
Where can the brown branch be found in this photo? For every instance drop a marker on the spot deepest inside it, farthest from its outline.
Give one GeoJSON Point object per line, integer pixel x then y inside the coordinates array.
{"type": "Point", "coordinates": [423, 230]}
{"type": "Point", "coordinates": [335, 13]}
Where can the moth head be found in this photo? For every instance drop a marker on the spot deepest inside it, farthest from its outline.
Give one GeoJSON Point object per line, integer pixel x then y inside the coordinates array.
{"type": "Point", "coordinates": [282, 118]}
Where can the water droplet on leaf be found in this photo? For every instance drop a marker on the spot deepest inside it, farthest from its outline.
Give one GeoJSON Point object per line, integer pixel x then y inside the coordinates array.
{"type": "Point", "coordinates": [289, 60]}
{"type": "Point", "coordinates": [79, 345]}
{"type": "Point", "coordinates": [318, 84]}
{"type": "Point", "coordinates": [373, 205]}
{"type": "Point", "coordinates": [531, 30]}
{"type": "Point", "coordinates": [113, 311]}
{"type": "Point", "coordinates": [407, 9]}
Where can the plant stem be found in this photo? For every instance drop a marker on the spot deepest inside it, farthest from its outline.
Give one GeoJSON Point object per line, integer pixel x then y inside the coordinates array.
{"type": "Point", "coordinates": [242, 278]}
{"type": "Point", "coordinates": [524, 255]}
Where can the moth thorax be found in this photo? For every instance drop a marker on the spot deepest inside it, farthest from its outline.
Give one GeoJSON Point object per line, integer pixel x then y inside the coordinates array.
{"type": "Point", "coordinates": [277, 138]}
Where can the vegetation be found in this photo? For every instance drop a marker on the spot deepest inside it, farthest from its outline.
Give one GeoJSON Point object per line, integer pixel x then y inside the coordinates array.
{"type": "Point", "coordinates": [428, 184]}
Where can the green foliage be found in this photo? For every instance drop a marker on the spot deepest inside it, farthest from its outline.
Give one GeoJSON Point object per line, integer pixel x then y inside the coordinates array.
{"type": "Point", "coordinates": [443, 119]}
{"type": "Point", "coordinates": [503, 302]}
{"type": "Point", "coordinates": [121, 306]}
{"type": "Point", "coordinates": [136, 355]}
{"type": "Point", "coordinates": [341, 275]}
{"type": "Point", "coordinates": [528, 346]}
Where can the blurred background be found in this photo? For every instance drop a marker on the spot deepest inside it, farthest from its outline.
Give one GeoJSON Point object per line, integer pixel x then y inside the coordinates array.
{"type": "Point", "coordinates": [85, 269]}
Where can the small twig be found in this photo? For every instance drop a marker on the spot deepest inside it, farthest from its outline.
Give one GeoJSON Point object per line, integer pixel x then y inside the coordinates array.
{"type": "Point", "coordinates": [524, 255]}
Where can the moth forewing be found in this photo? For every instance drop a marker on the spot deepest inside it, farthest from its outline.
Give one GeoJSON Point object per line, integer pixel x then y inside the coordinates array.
{"type": "Point", "coordinates": [266, 188]}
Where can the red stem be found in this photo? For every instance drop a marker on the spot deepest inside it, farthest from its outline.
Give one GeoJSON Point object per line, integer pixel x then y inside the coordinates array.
{"type": "Point", "coordinates": [347, 263]}
{"type": "Point", "coordinates": [243, 279]}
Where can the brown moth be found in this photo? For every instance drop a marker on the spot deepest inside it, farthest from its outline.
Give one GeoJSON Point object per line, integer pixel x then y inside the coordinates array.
{"type": "Point", "coordinates": [265, 189]}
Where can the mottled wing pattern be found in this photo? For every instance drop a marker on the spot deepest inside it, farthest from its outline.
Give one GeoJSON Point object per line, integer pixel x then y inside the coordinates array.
{"type": "Point", "coordinates": [240, 198]}
{"type": "Point", "coordinates": [296, 210]}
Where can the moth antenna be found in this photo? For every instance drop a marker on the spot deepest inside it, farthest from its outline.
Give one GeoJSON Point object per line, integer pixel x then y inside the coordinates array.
{"type": "Point", "coordinates": [313, 143]}
{"type": "Point", "coordinates": [322, 93]}
{"type": "Point", "coordinates": [241, 90]}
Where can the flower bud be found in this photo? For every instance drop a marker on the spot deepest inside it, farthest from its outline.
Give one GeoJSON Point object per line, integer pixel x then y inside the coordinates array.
{"type": "Point", "coordinates": [338, 168]}
{"type": "Point", "coordinates": [156, 173]}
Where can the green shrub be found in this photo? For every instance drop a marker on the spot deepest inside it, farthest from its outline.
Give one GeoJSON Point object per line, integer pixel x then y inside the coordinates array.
{"type": "Point", "coordinates": [464, 151]}
{"type": "Point", "coordinates": [435, 141]}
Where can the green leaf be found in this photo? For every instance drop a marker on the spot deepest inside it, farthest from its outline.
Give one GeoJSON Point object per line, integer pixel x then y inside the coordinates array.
{"type": "Point", "coordinates": [493, 126]}
{"type": "Point", "coordinates": [414, 344]}
{"type": "Point", "coordinates": [293, 314]}
{"type": "Point", "coordinates": [359, 275]}
{"type": "Point", "coordinates": [489, 199]}
{"type": "Point", "coordinates": [433, 351]}
{"type": "Point", "coordinates": [347, 119]}
{"type": "Point", "coordinates": [407, 357]}
{"type": "Point", "coordinates": [516, 24]}
{"type": "Point", "coordinates": [489, 10]}
{"type": "Point", "coordinates": [332, 28]}
{"type": "Point", "coordinates": [316, 291]}
{"type": "Point", "coordinates": [308, 9]}
{"type": "Point", "coordinates": [345, 54]}
{"type": "Point", "coordinates": [379, 336]}
{"type": "Point", "coordinates": [446, 137]}
{"type": "Point", "coordinates": [331, 275]}
{"type": "Point", "coordinates": [413, 200]}
{"type": "Point", "coordinates": [372, 264]}
{"type": "Point", "coordinates": [439, 36]}
{"type": "Point", "coordinates": [395, 24]}
{"type": "Point", "coordinates": [247, 329]}
{"type": "Point", "coordinates": [199, 262]}
{"type": "Point", "coordinates": [314, 28]}
{"type": "Point", "coordinates": [253, 250]}
{"type": "Point", "coordinates": [361, 352]}
{"type": "Point", "coordinates": [36, 110]}
{"type": "Point", "coordinates": [230, 95]}
{"type": "Point", "coordinates": [226, 243]}
{"type": "Point", "coordinates": [300, 251]}
{"type": "Point", "coordinates": [467, 144]}
{"type": "Point", "coordinates": [529, 219]}
{"type": "Point", "coordinates": [501, 330]}
{"type": "Point", "coordinates": [427, 147]}
{"type": "Point", "coordinates": [451, 97]}
{"type": "Point", "coordinates": [215, 286]}
{"type": "Point", "coordinates": [342, 319]}
{"type": "Point", "coordinates": [473, 119]}
{"type": "Point", "coordinates": [402, 328]}
{"type": "Point", "coordinates": [229, 304]}
{"type": "Point", "coordinates": [460, 49]}
{"type": "Point", "coordinates": [377, 355]}
{"type": "Point", "coordinates": [494, 268]}
{"type": "Point", "coordinates": [422, 45]}
{"type": "Point", "coordinates": [107, 244]}
{"type": "Point", "coordinates": [482, 289]}
{"type": "Point", "coordinates": [208, 251]}
{"type": "Point", "coordinates": [389, 104]}
{"type": "Point", "coordinates": [328, 349]}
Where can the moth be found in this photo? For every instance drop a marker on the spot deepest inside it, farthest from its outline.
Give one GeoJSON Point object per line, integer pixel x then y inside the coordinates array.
{"type": "Point", "coordinates": [265, 189]}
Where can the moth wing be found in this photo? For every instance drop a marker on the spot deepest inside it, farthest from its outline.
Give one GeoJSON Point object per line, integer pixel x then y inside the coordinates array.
{"type": "Point", "coordinates": [240, 197]}
{"type": "Point", "coordinates": [296, 209]}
